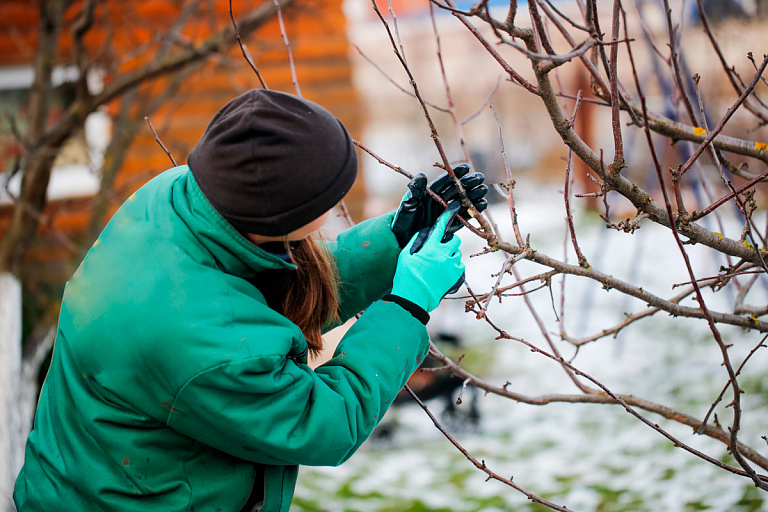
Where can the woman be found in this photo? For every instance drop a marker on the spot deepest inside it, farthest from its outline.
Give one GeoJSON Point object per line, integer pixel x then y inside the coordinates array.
{"type": "Point", "coordinates": [179, 377]}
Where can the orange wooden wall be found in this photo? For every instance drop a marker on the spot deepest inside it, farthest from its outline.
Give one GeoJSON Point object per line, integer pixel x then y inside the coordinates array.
{"type": "Point", "coordinates": [125, 36]}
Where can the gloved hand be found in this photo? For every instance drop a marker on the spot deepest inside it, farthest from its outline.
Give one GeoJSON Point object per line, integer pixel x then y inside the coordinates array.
{"type": "Point", "coordinates": [430, 265]}
{"type": "Point", "coordinates": [418, 210]}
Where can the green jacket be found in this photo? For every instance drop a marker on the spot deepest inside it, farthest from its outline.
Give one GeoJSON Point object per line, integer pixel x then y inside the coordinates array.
{"type": "Point", "coordinates": [172, 383]}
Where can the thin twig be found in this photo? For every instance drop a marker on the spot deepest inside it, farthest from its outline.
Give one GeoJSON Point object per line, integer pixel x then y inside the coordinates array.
{"type": "Point", "coordinates": [288, 48]}
{"type": "Point", "coordinates": [567, 193]}
{"type": "Point", "coordinates": [408, 175]}
{"type": "Point", "coordinates": [729, 71]}
{"type": "Point", "coordinates": [390, 80]}
{"type": "Point", "coordinates": [731, 110]}
{"type": "Point", "coordinates": [394, 167]}
{"type": "Point", "coordinates": [345, 213]}
{"type": "Point", "coordinates": [626, 401]}
{"type": "Point", "coordinates": [727, 385]}
{"type": "Point", "coordinates": [487, 232]}
{"type": "Point", "coordinates": [611, 282]}
{"type": "Point", "coordinates": [510, 182]}
{"type": "Point", "coordinates": [481, 464]}
{"type": "Point", "coordinates": [157, 138]}
{"type": "Point", "coordinates": [749, 226]}
{"type": "Point", "coordinates": [244, 49]}
{"type": "Point", "coordinates": [618, 144]}
{"type": "Point", "coordinates": [485, 103]}
{"type": "Point", "coordinates": [544, 278]}
{"type": "Point", "coordinates": [538, 25]}
{"type": "Point", "coordinates": [675, 61]}
{"type": "Point", "coordinates": [560, 13]}
{"type": "Point", "coordinates": [446, 85]}
{"type": "Point", "coordinates": [735, 426]}
{"type": "Point", "coordinates": [569, 369]}
{"type": "Point", "coordinates": [511, 260]}
{"type": "Point", "coordinates": [513, 74]}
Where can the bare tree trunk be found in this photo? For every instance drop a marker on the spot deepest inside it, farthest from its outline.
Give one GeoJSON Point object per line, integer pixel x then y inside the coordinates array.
{"type": "Point", "coordinates": [38, 161]}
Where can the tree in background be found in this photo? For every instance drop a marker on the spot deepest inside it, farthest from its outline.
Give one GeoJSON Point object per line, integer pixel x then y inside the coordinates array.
{"type": "Point", "coordinates": [696, 161]}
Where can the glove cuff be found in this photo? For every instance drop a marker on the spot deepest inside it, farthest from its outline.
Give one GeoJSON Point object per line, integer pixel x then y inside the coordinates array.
{"type": "Point", "coordinates": [414, 309]}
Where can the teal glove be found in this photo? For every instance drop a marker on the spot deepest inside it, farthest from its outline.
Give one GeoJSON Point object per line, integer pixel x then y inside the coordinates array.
{"type": "Point", "coordinates": [430, 265]}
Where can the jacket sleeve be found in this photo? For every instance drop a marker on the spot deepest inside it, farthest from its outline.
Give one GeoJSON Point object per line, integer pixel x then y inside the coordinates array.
{"type": "Point", "coordinates": [366, 258]}
{"type": "Point", "coordinates": [271, 410]}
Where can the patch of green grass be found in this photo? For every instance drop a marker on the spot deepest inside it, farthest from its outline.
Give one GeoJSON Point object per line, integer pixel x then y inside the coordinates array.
{"type": "Point", "coordinates": [411, 506]}
{"type": "Point", "coordinates": [346, 490]}
{"type": "Point", "coordinates": [488, 502]}
{"type": "Point", "coordinates": [752, 500]}
{"type": "Point", "coordinates": [590, 425]}
{"type": "Point", "coordinates": [548, 443]}
{"type": "Point", "coordinates": [306, 505]}
{"type": "Point", "coordinates": [668, 474]}
{"type": "Point", "coordinates": [607, 494]}
{"type": "Point", "coordinates": [375, 502]}
{"type": "Point", "coordinates": [616, 500]}
{"type": "Point", "coordinates": [459, 478]}
{"type": "Point", "coordinates": [567, 480]}
{"type": "Point", "coordinates": [693, 506]}
{"type": "Point", "coordinates": [614, 470]}
{"type": "Point", "coordinates": [755, 385]}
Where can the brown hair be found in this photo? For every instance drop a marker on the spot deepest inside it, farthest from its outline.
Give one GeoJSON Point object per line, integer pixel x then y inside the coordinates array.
{"type": "Point", "coordinates": [307, 295]}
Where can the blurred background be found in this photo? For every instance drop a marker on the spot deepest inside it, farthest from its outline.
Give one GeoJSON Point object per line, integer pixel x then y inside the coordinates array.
{"type": "Point", "coordinates": [177, 63]}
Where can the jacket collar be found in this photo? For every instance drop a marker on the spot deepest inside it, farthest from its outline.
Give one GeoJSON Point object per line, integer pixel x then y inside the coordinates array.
{"type": "Point", "coordinates": [234, 253]}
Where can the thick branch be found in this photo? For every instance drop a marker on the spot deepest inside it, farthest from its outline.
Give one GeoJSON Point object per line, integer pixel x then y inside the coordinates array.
{"type": "Point", "coordinates": [38, 161]}
{"type": "Point", "coordinates": [608, 282]}
{"type": "Point", "coordinates": [641, 199]}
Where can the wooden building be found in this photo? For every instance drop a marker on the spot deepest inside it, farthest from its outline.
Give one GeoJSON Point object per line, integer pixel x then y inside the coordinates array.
{"type": "Point", "coordinates": [127, 35]}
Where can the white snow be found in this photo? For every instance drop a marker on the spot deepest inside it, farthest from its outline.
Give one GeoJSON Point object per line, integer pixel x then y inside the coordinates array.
{"type": "Point", "coordinates": [586, 457]}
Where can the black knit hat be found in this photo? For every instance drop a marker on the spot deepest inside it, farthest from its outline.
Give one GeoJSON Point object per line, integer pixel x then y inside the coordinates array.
{"type": "Point", "coordinates": [270, 162]}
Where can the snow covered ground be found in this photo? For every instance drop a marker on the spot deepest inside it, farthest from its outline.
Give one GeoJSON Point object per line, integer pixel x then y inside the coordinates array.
{"type": "Point", "coordinates": [585, 457]}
